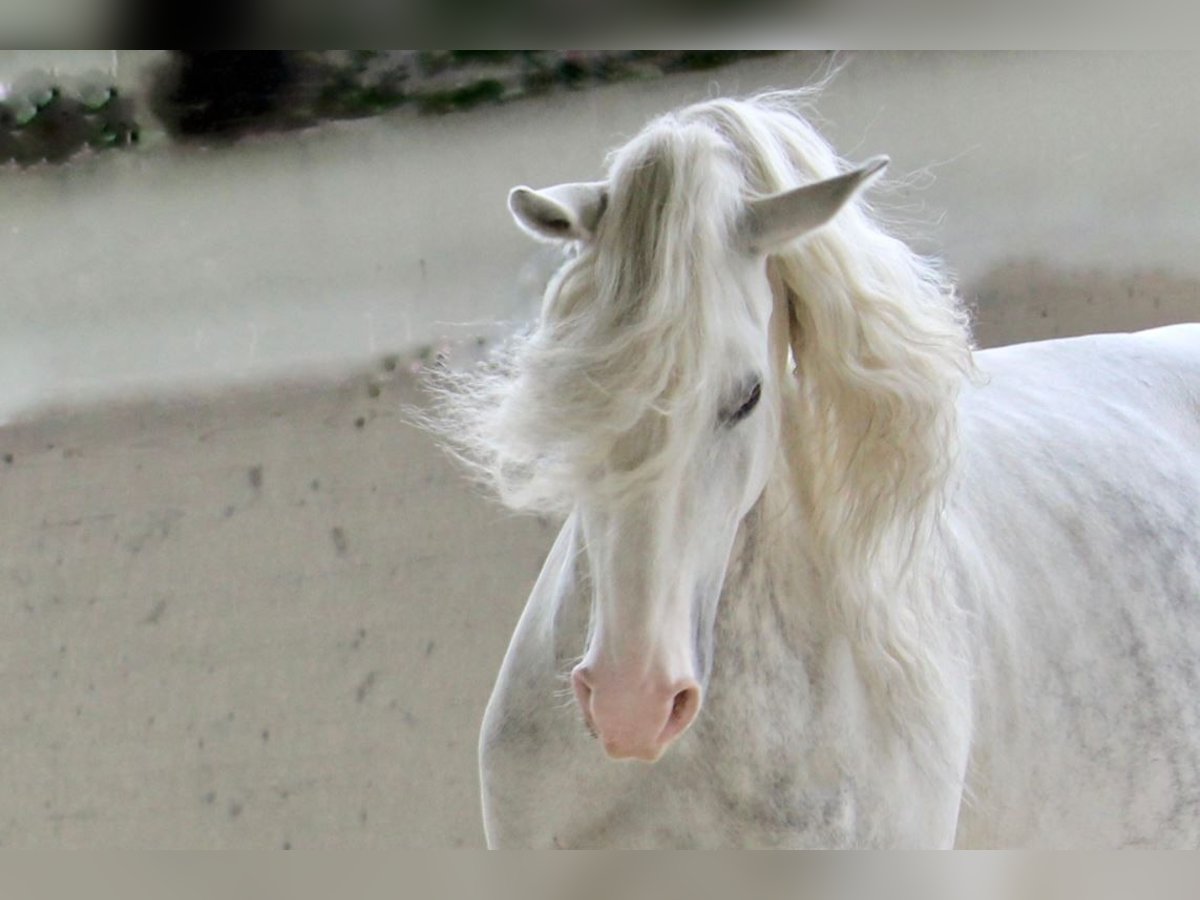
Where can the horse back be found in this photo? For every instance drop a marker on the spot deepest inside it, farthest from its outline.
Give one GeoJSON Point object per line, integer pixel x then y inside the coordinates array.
{"type": "Point", "coordinates": [1075, 535]}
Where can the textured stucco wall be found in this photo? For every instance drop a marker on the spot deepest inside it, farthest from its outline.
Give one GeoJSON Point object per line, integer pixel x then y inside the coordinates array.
{"type": "Point", "coordinates": [245, 604]}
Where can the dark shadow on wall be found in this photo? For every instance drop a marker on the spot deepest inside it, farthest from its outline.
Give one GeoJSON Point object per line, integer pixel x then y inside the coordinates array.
{"type": "Point", "coordinates": [1030, 300]}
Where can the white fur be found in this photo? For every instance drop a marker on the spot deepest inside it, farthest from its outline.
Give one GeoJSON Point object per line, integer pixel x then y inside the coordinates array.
{"type": "Point", "coordinates": [879, 620]}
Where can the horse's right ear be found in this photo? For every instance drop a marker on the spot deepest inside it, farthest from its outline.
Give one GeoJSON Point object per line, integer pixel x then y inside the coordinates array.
{"type": "Point", "coordinates": [567, 212]}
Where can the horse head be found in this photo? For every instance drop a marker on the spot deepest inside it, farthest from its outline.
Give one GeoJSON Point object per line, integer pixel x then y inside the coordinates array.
{"type": "Point", "coordinates": [683, 347]}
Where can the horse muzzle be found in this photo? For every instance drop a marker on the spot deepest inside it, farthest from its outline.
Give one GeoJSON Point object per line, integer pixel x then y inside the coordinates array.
{"type": "Point", "coordinates": [635, 721]}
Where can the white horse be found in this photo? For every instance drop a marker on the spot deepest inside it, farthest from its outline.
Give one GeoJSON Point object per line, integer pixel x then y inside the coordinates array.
{"type": "Point", "coordinates": [827, 576]}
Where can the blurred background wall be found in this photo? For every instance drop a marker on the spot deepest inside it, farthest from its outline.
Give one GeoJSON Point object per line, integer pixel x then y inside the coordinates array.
{"type": "Point", "coordinates": [245, 604]}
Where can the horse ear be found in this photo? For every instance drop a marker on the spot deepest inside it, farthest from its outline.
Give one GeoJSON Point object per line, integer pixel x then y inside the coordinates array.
{"type": "Point", "coordinates": [773, 221]}
{"type": "Point", "coordinates": [567, 212]}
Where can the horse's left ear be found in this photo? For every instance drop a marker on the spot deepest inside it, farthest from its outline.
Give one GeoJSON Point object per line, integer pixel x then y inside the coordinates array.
{"type": "Point", "coordinates": [772, 221]}
{"type": "Point", "coordinates": [566, 212]}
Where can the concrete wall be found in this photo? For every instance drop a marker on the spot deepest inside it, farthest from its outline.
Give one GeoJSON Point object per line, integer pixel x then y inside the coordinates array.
{"type": "Point", "coordinates": [247, 605]}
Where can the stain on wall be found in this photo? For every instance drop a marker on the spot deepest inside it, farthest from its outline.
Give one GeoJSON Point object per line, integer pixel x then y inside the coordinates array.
{"type": "Point", "coordinates": [1028, 300]}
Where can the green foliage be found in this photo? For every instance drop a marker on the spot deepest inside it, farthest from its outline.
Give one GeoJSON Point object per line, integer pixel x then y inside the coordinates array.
{"type": "Point", "coordinates": [486, 90]}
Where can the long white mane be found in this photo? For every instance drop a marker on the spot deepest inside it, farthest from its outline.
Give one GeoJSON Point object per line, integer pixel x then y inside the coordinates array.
{"type": "Point", "coordinates": [596, 396]}
{"type": "Point", "coordinates": [592, 400]}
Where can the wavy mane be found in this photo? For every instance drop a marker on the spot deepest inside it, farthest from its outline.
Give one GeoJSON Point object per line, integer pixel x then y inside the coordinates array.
{"type": "Point", "coordinates": [593, 400]}
{"type": "Point", "coordinates": [881, 347]}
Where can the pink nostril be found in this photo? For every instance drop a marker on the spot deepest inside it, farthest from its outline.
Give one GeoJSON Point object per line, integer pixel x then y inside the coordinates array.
{"type": "Point", "coordinates": [638, 723]}
{"type": "Point", "coordinates": [683, 710]}
{"type": "Point", "coordinates": [683, 702]}
{"type": "Point", "coordinates": [581, 683]}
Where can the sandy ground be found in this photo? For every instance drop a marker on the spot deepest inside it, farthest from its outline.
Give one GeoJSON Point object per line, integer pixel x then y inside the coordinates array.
{"type": "Point", "coordinates": [247, 620]}
{"type": "Point", "coordinates": [246, 604]}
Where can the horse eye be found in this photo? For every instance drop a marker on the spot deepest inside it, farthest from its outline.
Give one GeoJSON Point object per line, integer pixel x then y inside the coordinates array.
{"type": "Point", "coordinates": [747, 406]}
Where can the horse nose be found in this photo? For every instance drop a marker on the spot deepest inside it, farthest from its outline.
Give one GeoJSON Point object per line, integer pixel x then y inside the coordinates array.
{"type": "Point", "coordinates": [635, 722]}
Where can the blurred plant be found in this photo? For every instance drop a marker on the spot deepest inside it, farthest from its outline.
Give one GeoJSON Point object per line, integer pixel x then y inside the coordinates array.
{"type": "Point", "coordinates": [46, 122]}
{"type": "Point", "coordinates": [221, 95]}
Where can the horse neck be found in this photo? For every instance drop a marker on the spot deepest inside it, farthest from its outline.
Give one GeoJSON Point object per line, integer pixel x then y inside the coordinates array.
{"type": "Point", "coordinates": [772, 563]}
{"type": "Point", "coordinates": [773, 572]}
{"type": "Point", "coordinates": [778, 587]}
